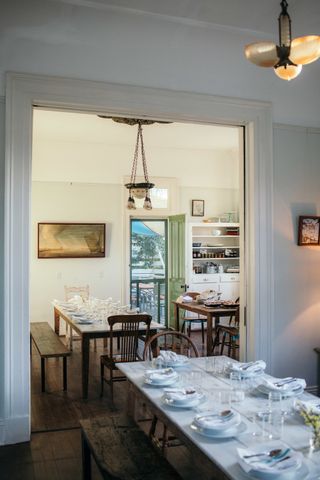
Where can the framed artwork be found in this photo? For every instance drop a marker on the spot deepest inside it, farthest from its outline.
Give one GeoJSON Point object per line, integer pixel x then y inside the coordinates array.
{"type": "Point", "coordinates": [309, 229]}
{"type": "Point", "coordinates": [71, 240]}
{"type": "Point", "coordinates": [197, 208]}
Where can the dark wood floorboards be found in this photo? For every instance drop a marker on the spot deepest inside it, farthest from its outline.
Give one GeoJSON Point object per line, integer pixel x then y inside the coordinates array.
{"type": "Point", "coordinates": [54, 451]}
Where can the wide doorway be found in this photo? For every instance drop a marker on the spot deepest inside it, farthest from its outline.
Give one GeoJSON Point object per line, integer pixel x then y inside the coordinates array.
{"type": "Point", "coordinates": [148, 267]}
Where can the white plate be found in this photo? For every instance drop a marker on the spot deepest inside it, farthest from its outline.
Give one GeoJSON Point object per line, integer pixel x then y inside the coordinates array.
{"type": "Point", "coordinates": [187, 404]}
{"type": "Point", "coordinates": [250, 374]}
{"type": "Point", "coordinates": [231, 432]}
{"type": "Point", "coordinates": [164, 383]}
{"type": "Point", "coordinates": [233, 422]}
{"type": "Point", "coordinates": [287, 473]}
{"type": "Point", "coordinates": [285, 393]}
{"type": "Point", "coordinates": [83, 320]}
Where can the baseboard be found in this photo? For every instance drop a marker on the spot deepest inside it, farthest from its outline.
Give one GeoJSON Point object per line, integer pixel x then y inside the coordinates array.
{"type": "Point", "coordinates": [14, 430]}
{"type": "Point", "coordinates": [312, 389]}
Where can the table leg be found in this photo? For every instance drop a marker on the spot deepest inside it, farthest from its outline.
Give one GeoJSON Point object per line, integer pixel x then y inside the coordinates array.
{"type": "Point", "coordinates": [85, 345]}
{"type": "Point", "coordinates": [56, 321]}
{"type": "Point", "coordinates": [209, 335]}
{"type": "Point", "coordinates": [176, 316]}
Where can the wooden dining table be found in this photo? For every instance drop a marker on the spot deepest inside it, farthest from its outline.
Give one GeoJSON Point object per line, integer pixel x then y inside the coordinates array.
{"type": "Point", "coordinates": [218, 457]}
{"type": "Point", "coordinates": [88, 332]}
{"type": "Point", "coordinates": [213, 314]}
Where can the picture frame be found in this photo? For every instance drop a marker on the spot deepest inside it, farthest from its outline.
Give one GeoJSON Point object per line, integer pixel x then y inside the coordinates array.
{"type": "Point", "coordinates": [198, 208]}
{"type": "Point", "coordinates": [309, 230]}
{"type": "Point", "coordinates": [71, 240]}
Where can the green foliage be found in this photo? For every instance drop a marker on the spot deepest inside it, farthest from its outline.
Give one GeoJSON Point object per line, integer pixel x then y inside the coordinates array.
{"type": "Point", "coordinates": [147, 249]}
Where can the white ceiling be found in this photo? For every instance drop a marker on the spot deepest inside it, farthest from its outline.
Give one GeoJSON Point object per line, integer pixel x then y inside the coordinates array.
{"type": "Point", "coordinates": [89, 128]}
{"type": "Point", "coordinates": [258, 16]}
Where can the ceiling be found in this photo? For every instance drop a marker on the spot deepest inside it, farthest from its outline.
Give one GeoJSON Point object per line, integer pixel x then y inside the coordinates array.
{"type": "Point", "coordinates": [259, 16]}
{"type": "Point", "coordinates": [50, 126]}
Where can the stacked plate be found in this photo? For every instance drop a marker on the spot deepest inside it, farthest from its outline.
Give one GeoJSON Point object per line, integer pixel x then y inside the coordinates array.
{"type": "Point", "coordinates": [247, 370]}
{"type": "Point", "coordinates": [271, 461]}
{"type": "Point", "coordinates": [187, 397]}
{"type": "Point", "coordinates": [288, 387]}
{"type": "Point", "coordinates": [219, 424]}
{"type": "Point", "coordinates": [161, 377]}
{"type": "Point", "coordinates": [79, 318]}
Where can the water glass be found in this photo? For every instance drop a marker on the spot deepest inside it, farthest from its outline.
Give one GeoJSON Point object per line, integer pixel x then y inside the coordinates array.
{"type": "Point", "coordinates": [210, 364]}
{"type": "Point", "coordinates": [236, 380]}
{"type": "Point", "coordinates": [275, 401]}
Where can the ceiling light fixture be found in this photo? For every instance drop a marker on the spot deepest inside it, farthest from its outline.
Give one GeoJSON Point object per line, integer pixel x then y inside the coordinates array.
{"type": "Point", "coordinates": [139, 189]}
{"type": "Point", "coordinates": [288, 57]}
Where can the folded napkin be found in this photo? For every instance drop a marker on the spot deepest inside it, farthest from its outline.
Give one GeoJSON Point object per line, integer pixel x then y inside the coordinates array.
{"type": "Point", "coordinates": [218, 420]}
{"type": "Point", "coordinates": [309, 405]}
{"type": "Point", "coordinates": [187, 299]}
{"type": "Point", "coordinates": [278, 464]}
{"type": "Point", "coordinates": [248, 367]}
{"type": "Point", "coordinates": [182, 394]}
{"type": "Point", "coordinates": [287, 384]}
{"type": "Point", "coordinates": [171, 358]}
{"type": "Point", "coordinates": [161, 374]}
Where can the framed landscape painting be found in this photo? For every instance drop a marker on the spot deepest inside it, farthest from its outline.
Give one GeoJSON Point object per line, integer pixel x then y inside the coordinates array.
{"type": "Point", "coordinates": [309, 230]}
{"type": "Point", "coordinates": [197, 208]}
{"type": "Point", "coordinates": [71, 240]}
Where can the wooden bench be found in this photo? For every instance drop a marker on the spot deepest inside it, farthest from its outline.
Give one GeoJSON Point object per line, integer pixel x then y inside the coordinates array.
{"type": "Point", "coordinates": [122, 451]}
{"type": "Point", "coordinates": [48, 345]}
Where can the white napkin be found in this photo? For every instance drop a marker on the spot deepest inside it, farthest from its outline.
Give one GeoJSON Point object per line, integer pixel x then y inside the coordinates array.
{"type": "Point", "coordinates": [161, 374]}
{"type": "Point", "coordinates": [248, 367]}
{"type": "Point", "coordinates": [266, 464]}
{"type": "Point", "coordinates": [270, 384]}
{"type": "Point", "coordinates": [182, 394]}
{"type": "Point", "coordinates": [170, 358]}
{"type": "Point", "coordinates": [215, 421]}
{"type": "Point", "coordinates": [309, 405]}
{"type": "Point", "coordinates": [187, 299]}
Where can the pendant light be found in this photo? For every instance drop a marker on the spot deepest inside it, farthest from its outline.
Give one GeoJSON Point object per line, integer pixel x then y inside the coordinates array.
{"type": "Point", "coordinates": [139, 189]}
{"type": "Point", "coordinates": [288, 57]}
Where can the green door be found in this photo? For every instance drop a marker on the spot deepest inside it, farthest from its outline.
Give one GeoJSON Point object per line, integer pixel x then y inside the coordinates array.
{"type": "Point", "coordinates": [177, 260]}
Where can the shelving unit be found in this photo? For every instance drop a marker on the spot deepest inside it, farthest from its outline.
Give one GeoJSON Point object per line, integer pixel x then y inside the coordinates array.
{"type": "Point", "coordinates": [213, 258]}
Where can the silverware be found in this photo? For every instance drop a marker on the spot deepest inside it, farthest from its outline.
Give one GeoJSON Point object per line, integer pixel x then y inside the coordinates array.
{"type": "Point", "coordinates": [285, 382]}
{"type": "Point", "coordinates": [272, 453]}
{"type": "Point", "coordinates": [224, 415]}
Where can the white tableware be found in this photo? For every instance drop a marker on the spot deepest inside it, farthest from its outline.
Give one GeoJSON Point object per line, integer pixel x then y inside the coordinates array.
{"type": "Point", "coordinates": [285, 393]}
{"type": "Point", "coordinates": [258, 462]}
{"type": "Point", "coordinates": [161, 377]}
{"type": "Point", "coordinates": [217, 421]}
{"type": "Point", "coordinates": [229, 433]}
{"type": "Point", "coordinates": [186, 403]}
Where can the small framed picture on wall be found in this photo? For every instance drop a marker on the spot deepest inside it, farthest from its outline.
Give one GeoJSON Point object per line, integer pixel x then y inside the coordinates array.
{"type": "Point", "coordinates": [197, 208]}
{"type": "Point", "coordinates": [309, 230]}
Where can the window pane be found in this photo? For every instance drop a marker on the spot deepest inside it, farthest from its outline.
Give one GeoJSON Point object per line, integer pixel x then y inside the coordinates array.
{"type": "Point", "coordinates": [159, 198]}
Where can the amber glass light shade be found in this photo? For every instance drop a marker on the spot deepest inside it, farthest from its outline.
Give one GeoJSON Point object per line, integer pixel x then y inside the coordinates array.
{"type": "Point", "coordinates": [305, 50]}
{"type": "Point", "coordinates": [263, 54]}
{"type": "Point", "coordinates": [289, 72]}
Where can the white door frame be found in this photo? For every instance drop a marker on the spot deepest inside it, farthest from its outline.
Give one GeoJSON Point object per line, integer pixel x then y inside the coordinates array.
{"type": "Point", "coordinates": [23, 92]}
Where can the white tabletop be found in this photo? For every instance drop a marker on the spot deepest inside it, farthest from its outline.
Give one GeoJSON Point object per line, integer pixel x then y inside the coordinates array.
{"type": "Point", "coordinates": [222, 452]}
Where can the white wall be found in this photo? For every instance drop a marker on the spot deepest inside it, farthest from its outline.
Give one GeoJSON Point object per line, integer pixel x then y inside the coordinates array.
{"type": "Point", "coordinates": [296, 269]}
{"type": "Point", "coordinates": [62, 202]}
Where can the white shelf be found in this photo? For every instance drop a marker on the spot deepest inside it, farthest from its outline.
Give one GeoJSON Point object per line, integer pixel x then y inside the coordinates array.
{"type": "Point", "coordinates": [215, 258]}
{"type": "Point", "coordinates": [215, 236]}
{"type": "Point", "coordinates": [216, 246]}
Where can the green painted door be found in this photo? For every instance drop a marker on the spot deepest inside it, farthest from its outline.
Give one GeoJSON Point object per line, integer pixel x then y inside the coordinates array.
{"type": "Point", "coordinates": [177, 260]}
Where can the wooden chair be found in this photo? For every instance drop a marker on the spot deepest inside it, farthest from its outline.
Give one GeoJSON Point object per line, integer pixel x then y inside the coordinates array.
{"type": "Point", "coordinates": [228, 335]}
{"type": "Point", "coordinates": [128, 334]}
{"type": "Point", "coordinates": [189, 318]}
{"type": "Point", "coordinates": [181, 344]}
{"type": "Point", "coordinates": [84, 293]}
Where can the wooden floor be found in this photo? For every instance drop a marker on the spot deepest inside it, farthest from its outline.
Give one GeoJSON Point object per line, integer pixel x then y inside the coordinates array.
{"type": "Point", "coordinates": [54, 451]}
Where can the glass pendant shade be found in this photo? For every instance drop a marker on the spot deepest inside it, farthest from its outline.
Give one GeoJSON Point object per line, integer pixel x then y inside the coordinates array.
{"type": "Point", "coordinates": [131, 204]}
{"type": "Point", "coordinates": [147, 203]}
{"type": "Point", "coordinates": [289, 72]}
{"type": "Point", "coordinates": [305, 50]}
{"type": "Point", "coordinates": [263, 54]}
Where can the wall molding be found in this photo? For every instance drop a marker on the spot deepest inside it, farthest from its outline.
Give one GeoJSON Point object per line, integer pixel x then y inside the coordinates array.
{"type": "Point", "coordinates": [296, 128]}
{"type": "Point", "coordinates": [24, 91]}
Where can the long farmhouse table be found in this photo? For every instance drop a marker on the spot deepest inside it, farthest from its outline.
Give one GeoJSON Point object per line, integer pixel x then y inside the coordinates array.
{"type": "Point", "coordinates": [87, 332]}
{"type": "Point", "coordinates": [220, 455]}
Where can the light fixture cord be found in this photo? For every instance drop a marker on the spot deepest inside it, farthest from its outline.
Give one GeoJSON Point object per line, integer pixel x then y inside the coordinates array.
{"type": "Point", "coordinates": [143, 155]}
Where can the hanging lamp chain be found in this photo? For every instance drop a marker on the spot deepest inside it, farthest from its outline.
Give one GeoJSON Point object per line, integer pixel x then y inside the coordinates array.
{"type": "Point", "coordinates": [143, 155]}
{"type": "Point", "coordinates": [139, 143]}
{"type": "Point", "coordinates": [135, 160]}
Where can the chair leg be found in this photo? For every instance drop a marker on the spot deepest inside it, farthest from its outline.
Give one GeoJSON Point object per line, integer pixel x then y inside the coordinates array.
{"type": "Point", "coordinates": [189, 329]}
{"type": "Point", "coordinates": [153, 427]}
{"type": "Point", "coordinates": [222, 343]}
{"type": "Point", "coordinates": [94, 344]}
{"type": "Point", "coordinates": [111, 385]}
{"type": "Point", "coordinates": [202, 331]}
{"type": "Point", "coordinates": [101, 379]}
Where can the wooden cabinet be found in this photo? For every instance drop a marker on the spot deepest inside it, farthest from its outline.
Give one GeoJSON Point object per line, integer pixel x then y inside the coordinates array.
{"type": "Point", "coordinates": [213, 258]}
